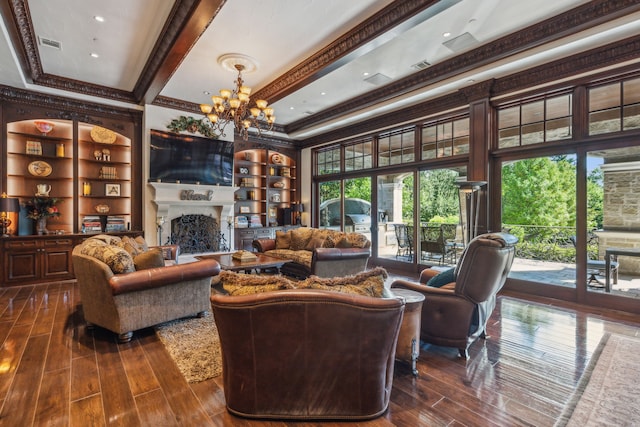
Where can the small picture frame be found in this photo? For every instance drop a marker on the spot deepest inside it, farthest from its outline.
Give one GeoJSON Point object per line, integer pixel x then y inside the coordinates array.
{"type": "Point", "coordinates": [244, 209]}
{"type": "Point", "coordinates": [112, 190]}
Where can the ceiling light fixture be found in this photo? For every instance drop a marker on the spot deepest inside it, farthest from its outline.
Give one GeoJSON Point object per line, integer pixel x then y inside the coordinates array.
{"type": "Point", "coordinates": [99, 18]}
{"type": "Point", "coordinates": [94, 55]}
{"type": "Point", "coordinates": [232, 106]}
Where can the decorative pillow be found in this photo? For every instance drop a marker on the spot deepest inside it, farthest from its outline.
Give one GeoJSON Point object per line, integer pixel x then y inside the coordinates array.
{"type": "Point", "coordinates": [118, 260]}
{"type": "Point", "coordinates": [343, 243]}
{"type": "Point", "coordinates": [149, 259]}
{"type": "Point", "coordinates": [358, 240]}
{"type": "Point", "coordinates": [333, 236]}
{"type": "Point", "coordinates": [167, 253]}
{"type": "Point", "coordinates": [140, 240]}
{"type": "Point", "coordinates": [245, 284]}
{"type": "Point", "coordinates": [132, 246]}
{"type": "Point", "coordinates": [300, 237]}
{"type": "Point", "coordinates": [368, 283]}
{"type": "Point", "coordinates": [442, 278]}
{"type": "Point", "coordinates": [109, 240]}
{"type": "Point", "coordinates": [283, 239]}
{"type": "Point", "coordinates": [315, 242]}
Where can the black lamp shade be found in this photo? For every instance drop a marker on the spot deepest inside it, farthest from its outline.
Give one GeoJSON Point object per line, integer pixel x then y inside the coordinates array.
{"type": "Point", "coordinates": [9, 204]}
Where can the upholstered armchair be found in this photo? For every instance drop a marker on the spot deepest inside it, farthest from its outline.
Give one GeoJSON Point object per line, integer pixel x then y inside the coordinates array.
{"type": "Point", "coordinates": [307, 354]}
{"type": "Point", "coordinates": [456, 314]}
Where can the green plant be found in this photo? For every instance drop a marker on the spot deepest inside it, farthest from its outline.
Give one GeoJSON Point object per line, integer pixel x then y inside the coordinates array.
{"type": "Point", "coordinates": [189, 124]}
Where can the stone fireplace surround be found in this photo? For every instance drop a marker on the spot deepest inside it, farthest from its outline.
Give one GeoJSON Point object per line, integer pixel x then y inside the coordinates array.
{"type": "Point", "coordinates": [167, 198]}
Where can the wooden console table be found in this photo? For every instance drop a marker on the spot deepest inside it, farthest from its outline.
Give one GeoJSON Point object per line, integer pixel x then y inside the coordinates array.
{"type": "Point", "coordinates": [609, 252]}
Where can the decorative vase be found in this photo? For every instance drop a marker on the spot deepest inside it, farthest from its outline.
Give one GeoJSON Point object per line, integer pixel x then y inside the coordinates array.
{"type": "Point", "coordinates": [41, 226]}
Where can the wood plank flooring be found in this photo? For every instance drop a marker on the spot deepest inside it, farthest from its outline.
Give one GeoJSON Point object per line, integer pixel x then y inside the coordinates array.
{"type": "Point", "coordinates": [55, 372]}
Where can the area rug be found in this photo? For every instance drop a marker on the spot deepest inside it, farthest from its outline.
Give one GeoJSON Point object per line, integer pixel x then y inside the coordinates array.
{"type": "Point", "coordinates": [194, 345]}
{"type": "Point", "coordinates": [609, 390]}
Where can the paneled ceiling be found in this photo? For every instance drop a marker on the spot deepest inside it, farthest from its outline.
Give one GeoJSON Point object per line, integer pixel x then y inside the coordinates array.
{"type": "Point", "coordinates": [323, 64]}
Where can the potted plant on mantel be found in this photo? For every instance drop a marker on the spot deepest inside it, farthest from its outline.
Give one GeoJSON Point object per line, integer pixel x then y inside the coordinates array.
{"type": "Point", "coordinates": [41, 208]}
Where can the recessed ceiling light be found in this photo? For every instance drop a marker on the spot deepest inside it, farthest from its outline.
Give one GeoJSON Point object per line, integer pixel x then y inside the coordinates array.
{"type": "Point", "coordinates": [206, 92]}
{"type": "Point", "coordinates": [99, 18]}
{"type": "Point", "coordinates": [323, 93]}
{"type": "Point", "coordinates": [94, 55]}
{"type": "Point", "coordinates": [291, 108]}
{"type": "Point", "coordinates": [365, 73]}
{"type": "Point", "coordinates": [446, 34]}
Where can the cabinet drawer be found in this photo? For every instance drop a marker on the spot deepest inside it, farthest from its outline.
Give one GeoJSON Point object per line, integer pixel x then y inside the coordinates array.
{"type": "Point", "coordinates": [246, 233]}
{"type": "Point", "coordinates": [58, 242]}
{"type": "Point", "coordinates": [23, 244]}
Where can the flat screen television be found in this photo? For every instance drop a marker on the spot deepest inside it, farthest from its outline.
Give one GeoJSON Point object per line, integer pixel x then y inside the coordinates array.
{"type": "Point", "coordinates": [190, 159]}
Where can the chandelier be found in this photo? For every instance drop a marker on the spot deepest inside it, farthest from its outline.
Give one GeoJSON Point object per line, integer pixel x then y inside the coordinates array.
{"type": "Point", "coordinates": [233, 106]}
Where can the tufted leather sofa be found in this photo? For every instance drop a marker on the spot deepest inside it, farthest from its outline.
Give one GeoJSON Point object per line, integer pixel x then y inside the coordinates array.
{"type": "Point", "coordinates": [125, 302]}
{"type": "Point", "coordinates": [318, 252]}
{"type": "Point", "coordinates": [456, 314]}
{"type": "Point", "coordinates": [301, 354]}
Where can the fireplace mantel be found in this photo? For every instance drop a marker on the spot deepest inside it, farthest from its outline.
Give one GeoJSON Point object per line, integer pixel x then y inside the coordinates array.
{"type": "Point", "coordinates": [167, 197]}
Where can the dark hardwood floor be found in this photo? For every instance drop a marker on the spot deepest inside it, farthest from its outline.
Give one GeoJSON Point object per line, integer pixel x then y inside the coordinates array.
{"type": "Point", "coordinates": [54, 372]}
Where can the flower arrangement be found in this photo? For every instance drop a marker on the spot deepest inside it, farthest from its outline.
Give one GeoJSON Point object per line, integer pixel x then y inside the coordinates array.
{"type": "Point", "coordinates": [42, 207]}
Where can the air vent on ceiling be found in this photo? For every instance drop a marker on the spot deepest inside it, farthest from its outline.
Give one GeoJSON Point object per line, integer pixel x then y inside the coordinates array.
{"type": "Point", "coordinates": [50, 43]}
{"type": "Point", "coordinates": [378, 79]}
{"type": "Point", "coordinates": [461, 43]}
{"type": "Point", "coordinates": [421, 65]}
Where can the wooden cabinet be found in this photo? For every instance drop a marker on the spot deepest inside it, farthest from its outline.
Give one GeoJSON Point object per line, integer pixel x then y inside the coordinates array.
{"type": "Point", "coordinates": [34, 260]}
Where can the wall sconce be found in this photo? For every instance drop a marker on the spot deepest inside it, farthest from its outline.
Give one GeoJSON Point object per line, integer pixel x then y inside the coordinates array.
{"type": "Point", "coordinates": [469, 200]}
{"type": "Point", "coordinates": [7, 205]}
{"type": "Point", "coordinates": [160, 223]}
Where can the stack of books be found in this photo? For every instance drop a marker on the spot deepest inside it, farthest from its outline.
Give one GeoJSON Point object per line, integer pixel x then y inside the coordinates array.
{"type": "Point", "coordinates": [115, 223]}
{"type": "Point", "coordinates": [255, 221]}
{"type": "Point", "coordinates": [241, 222]}
{"type": "Point", "coordinates": [91, 224]}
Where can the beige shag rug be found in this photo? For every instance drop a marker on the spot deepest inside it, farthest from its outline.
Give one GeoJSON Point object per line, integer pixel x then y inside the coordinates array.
{"type": "Point", "coordinates": [194, 345]}
{"type": "Point", "coordinates": [609, 390]}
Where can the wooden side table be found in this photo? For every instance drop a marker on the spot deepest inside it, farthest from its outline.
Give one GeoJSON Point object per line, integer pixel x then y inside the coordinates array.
{"type": "Point", "coordinates": [408, 348]}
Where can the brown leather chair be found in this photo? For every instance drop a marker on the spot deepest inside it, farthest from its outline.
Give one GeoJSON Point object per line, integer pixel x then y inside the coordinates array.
{"type": "Point", "coordinates": [307, 354]}
{"type": "Point", "coordinates": [456, 314]}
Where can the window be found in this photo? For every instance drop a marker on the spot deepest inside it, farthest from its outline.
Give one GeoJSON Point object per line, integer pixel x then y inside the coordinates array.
{"type": "Point", "coordinates": [396, 147]}
{"type": "Point", "coordinates": [535, 122]}
{"type": "Point", "coordinates": [614, 107]}
{"type": "Point", "coordinates": [328, 161]}
{"type": "Point", "coordinates": [445, 139]}
{"type": "Point", "coordinates": [358, 156]}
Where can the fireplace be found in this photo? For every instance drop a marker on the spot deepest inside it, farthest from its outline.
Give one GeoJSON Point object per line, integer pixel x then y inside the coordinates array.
{"type": "Point", "coordinates": [191, 216]}
{"type": "Point", "coordinates": [197, 234]}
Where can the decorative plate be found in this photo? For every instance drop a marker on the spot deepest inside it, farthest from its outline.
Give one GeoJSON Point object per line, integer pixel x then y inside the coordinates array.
{"type": "Point", "coordinates": [102, 208]}
{"type": "Point", "coordinates": [276, 158]}
{"type": "Point", "coordinates": [40, 168]}
{"type": "Point", "coordinates": [44, 126]}
{"type": "Point", "coordinates": [103, 135]}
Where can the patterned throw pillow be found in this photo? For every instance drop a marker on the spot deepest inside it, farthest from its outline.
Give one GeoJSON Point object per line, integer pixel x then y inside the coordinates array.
{"type": "Point", "coordinates": [300, 237]}
{"type": "Point", "coordinates": [368, 283]}
{"type": "Point", "coordinates": [358, 240]}
{"type": "Point", "coordinates": [246, 284]}
{"type": "Point", "coordinates": [315, 242]}
{"type": "Point", "coordinates": [118, 260]}
{"type": "Point", "coordinates": [283, 239]}
{"type": "Point", "coordinates": [130, 245]}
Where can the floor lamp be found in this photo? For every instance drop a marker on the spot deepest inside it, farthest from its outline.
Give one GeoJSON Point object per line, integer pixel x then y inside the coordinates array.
{"type": "Point", "coordinates": [7, 205]}
{"type": "Point", "coordinates": [469, 199]}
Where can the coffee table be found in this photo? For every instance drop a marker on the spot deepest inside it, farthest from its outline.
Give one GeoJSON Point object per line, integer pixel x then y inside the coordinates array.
{"type": "Point", "coordinates": [262, 261]}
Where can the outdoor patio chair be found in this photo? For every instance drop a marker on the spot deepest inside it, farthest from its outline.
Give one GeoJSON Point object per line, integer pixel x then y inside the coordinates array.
{"type": "Point", "coordinates": [596, 267]}
{"type": "Point", "coordinates": [405, 242]}
{"type": "Point", "coordinates": [433, 245]}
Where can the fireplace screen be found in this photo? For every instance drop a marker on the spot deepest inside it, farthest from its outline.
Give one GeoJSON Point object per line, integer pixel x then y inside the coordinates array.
{"type": "Point", "coordinates": [197, 234]}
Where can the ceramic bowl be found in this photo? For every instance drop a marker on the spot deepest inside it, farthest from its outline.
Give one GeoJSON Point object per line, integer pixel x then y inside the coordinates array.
{"type": "Point", "coordinates": [44, 126]}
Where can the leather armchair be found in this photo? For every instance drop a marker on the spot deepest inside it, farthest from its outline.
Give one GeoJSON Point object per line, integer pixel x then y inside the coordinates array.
{"type": "Point", "coordinates": [300, 354]}
{"type": "Point", "coordinates": [456, 314]}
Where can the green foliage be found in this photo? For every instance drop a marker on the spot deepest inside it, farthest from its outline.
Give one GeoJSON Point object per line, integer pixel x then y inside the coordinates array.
{"type": "Point", "coordinates": [189, 124]}
{"type": "Point", "coordinates": [359, 188]}
{"type": "Point", "coordinates": [539, 191]}
{"type": "Point", "coordinates": [595, 199]}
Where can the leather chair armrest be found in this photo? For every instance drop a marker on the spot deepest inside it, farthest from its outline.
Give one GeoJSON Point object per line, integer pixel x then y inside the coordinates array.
{"type": "Point", "coordinates": [169, 252]}
{"type": "Point", "coordinates": [263, 245]}
{"type": "Point", "coordinates": [427, 274]}
{"type": "Point", "coordinates": [423, 289]}
{"type": "Point", "coordinates": [326, 254]}
{"type": "Point", "coordinates": [161, 276]}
